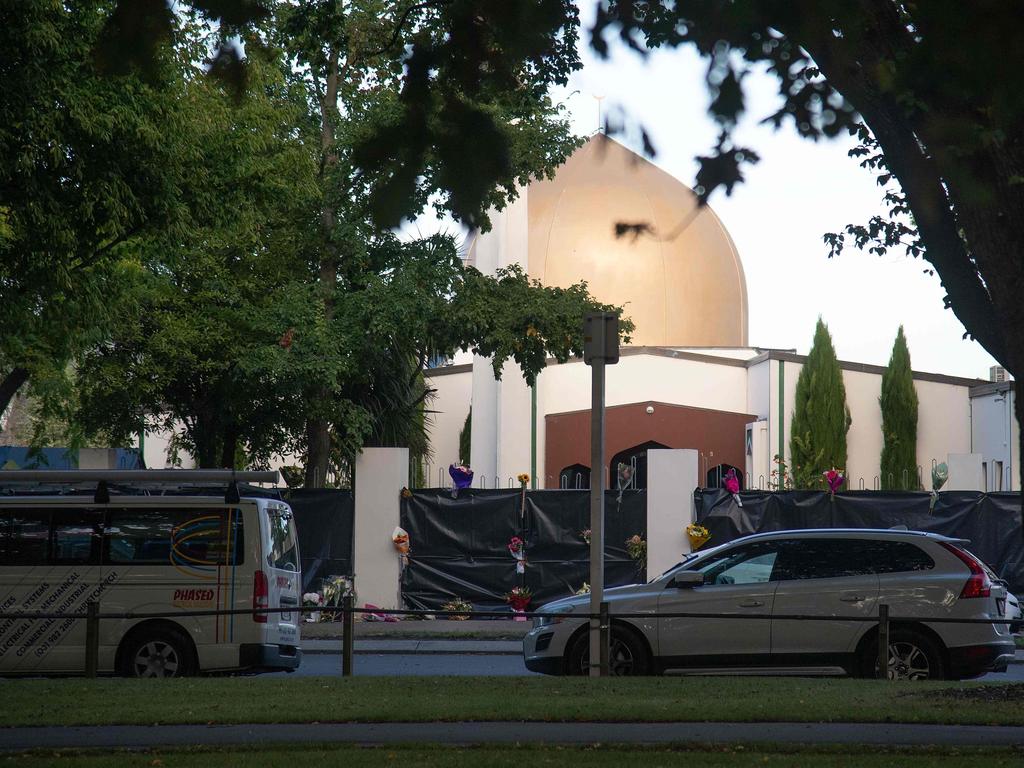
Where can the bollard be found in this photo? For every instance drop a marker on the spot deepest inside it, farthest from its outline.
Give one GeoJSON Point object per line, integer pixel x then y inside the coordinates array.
{"type": "Point", "coordinates": [92, 638]}
{"type": "Point", "coordinates": [605, 630]}
{"type": "Point", "coordinates": [348, 619]}
{"type": "Point", "coordinates": [883, 642]}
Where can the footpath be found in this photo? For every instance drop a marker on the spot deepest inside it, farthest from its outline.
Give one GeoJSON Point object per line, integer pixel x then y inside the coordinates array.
{"type": "Point", "coordinates": [503, 638]}
{"type": "Point", "coordinates": [470, 733]}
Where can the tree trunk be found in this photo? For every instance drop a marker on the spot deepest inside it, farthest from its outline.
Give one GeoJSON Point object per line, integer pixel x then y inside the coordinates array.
{"type": "Point", "coordinates": [206, 438]}
{"type": "Point", "coordinates": [229, 446]}
{"type": "Point", "coordinates": [10, 385]}
{"type": "Point", "coordinates": [318, 436]}
{"type": "Point", "coordinates": [318, 453]}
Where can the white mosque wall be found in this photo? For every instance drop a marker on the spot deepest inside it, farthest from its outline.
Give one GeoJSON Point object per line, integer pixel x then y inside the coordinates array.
{"type": "Point", "coordinates": [996, 436]}
{"type": "Point", "coordinates": [449, 409]}
{"type": "Point", "coordinates": [637, 378]}
{"type": "Point", "coordinates": [943, 425]}
{"type": "Point", "coordinates": [514, 403]}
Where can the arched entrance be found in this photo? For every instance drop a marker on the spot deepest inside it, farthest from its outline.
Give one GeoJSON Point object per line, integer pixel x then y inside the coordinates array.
{"type": "Point", "coordinates": [636, 459]}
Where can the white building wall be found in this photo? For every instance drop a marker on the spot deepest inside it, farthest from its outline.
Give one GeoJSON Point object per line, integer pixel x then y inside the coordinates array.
{"type": "Point", "coordinates": [996, 436]}
{"type": "Point", "coordinates": [638, 378]}
{"type": "Point", "coordinates": [448, 411]}
{"type": "Point", "coordinates": [943, 424]}
{"type": "Point", "coordinates": [505, 244]}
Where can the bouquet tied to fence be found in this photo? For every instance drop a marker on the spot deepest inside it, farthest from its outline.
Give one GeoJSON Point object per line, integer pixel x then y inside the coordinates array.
{"type": "Point", "coordinates": [519, 598]}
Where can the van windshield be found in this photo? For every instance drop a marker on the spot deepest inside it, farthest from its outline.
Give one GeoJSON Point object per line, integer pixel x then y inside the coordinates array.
{"type": "Point", "coordinates": [284, 552]}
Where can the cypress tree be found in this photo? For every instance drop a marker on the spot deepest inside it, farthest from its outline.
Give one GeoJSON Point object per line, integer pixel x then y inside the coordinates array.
{"type": "Point", "coordinates": [821, 418]}
{"type": "Point", "coordinates": [466, 438]}
{"type": "Point", "coordinates": [899, 421]}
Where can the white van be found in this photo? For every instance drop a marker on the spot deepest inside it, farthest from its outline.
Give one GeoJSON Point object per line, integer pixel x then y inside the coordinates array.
{"type": "Point", "coordinates": [147, 554]}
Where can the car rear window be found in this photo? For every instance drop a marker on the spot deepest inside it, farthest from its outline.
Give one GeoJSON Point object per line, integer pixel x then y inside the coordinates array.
{"type": "Point", "coordinates": [839, 558]}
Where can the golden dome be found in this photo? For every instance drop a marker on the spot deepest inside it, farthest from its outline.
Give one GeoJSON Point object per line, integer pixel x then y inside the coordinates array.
{"type": "Point", "coordinates": [682, 286]}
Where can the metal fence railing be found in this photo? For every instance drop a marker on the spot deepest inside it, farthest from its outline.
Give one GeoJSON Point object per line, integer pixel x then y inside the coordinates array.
{"type": "Point", "coordinates": [601, 622]}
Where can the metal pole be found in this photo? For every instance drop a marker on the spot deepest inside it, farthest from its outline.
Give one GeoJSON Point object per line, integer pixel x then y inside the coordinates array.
{"type": "Point", "coordinates": [598, 660]}
{"type": "Point", "coordinates": [606, 634]}
{"type": "Point", "coordinates": [92, 638]}
{"type": "Point", "coordinates": [883, 642]}
{"type": "Point", "coordinates": [348, 630]}
{"type": "Point", "coordinates": [533, 437]}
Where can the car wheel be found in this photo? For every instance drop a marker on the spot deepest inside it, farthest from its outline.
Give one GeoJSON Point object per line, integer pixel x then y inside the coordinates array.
{"type": "Point", "coordinates": [158, 652]}
{"type": "Point", "coordinates": [912, 656]}
{"type": "Point", "coordinates": [627, 654]}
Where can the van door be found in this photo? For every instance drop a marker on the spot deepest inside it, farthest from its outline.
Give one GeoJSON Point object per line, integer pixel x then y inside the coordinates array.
{"type": "Point", "coordinates": [50, 564]}
{"type": "Point", "coordinates": [283, 578]}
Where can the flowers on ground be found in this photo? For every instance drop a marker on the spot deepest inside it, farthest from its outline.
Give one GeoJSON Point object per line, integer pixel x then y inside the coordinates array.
{"type": "Point", "coordinates": [459, 608]}
{"type": "Point", "coordinates": [585, 533]}
{"type": "Point", "coordinates": [584, 590]}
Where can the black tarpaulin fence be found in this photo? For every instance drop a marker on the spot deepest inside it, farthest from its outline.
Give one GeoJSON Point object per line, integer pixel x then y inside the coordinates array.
{"type": "Point", "coordinates": [459, 546]}
{"type": "Point", "coordinates": [323, 521]}
{"type": "Point", "coordinates": [990, 521]}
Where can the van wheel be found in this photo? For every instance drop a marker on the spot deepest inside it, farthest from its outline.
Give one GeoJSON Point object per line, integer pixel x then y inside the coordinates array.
{"type": "Point", "coordinates": [627, 655]}
{"type": "Point", "coordinates": [912, 656]}
{"type": "Point", "coordinates": [158, 652]}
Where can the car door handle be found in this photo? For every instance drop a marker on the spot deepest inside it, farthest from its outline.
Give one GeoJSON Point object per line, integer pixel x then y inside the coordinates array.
{"type": "Point", "coordinates": [751, 604]}
{"type": "Point", "coordinates": [852, 599]}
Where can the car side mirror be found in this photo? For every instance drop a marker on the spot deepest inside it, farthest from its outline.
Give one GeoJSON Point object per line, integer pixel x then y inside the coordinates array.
{"type": "Point", "coordinates": [687, 580]}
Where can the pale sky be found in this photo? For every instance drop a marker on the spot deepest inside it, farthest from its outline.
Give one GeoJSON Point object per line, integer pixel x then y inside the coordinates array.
{"type": "Point", "coordinates": [798, 191]}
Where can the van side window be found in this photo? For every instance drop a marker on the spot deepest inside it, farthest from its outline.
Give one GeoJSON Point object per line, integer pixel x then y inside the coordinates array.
{"type": "Point", "coordinates": [24, 537]}
{"type": "Point", "coordinates": [193, 539]}
{"type": "Point", "coordinates": [75, 536]}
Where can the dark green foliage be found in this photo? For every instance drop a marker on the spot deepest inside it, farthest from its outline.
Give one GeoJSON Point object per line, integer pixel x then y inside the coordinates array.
{"type": "Point", "coordinates": [466, 438]}
{"type": "Point", "coordinates": [899, 421]}
{"type": "Point", "coordinates": [821, 418]}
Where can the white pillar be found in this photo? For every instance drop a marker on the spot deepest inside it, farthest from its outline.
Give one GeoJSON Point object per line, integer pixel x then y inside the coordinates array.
{"type": "Point", "coordinates": [381, 473]}
{"type": "Point", "coordinates": [672, 476]}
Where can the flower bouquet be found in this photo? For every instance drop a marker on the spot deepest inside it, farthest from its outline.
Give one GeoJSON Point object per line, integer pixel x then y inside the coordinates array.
{"type": "Point", "coordinates": [519, 598]}
{"type": "Point", "coordinates": [584, 590]}
{"type": "Point", "coordinates": [585, 533]}
{"type": "Point", "coordinates": [456, 605]}
{"type": "Point", "coordinates": [312, 601]}
{"type": "Point", "coordinates": [698, 536]}
{"type": "Point", "coordinates": [834, 478]}
{"type": "Point", "coordinates": [517, 548]}
{"type": "Point", "coordinates": [637, 549]}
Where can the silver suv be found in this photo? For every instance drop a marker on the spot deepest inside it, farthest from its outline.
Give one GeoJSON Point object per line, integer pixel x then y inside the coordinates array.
{"type": "Point", "coordinates": [772, 576]}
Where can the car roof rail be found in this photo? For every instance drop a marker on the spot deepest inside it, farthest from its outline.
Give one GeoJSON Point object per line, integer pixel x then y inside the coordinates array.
{"type": "Point", "coordinates": [104, 478]}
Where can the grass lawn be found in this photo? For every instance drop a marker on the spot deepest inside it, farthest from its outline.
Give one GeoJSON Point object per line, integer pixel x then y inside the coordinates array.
{"type": "Point", "coordinates": [377, 699]}
{"type": "Point", "coordinates": [516, 757]}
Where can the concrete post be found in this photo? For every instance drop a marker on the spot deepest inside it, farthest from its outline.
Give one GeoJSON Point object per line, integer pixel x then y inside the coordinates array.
{"type": "Point", "coordinates": [381, 473]}
{"type": "Point", "coordinates": [672, 476]}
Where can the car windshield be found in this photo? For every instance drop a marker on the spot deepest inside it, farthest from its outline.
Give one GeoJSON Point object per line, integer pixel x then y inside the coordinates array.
{"type": "Point", "coordinates": [690, 561]}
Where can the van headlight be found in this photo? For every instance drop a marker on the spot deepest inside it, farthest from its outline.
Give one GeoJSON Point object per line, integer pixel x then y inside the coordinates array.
{"type": "Point", "coordinates": [556, 617]}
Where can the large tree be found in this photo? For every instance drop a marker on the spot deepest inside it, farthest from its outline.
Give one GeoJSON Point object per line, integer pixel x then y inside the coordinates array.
{"type": "Point", "coordinates": [933, 92]}
{"type": "Point", "coordinates": [899, 421]}
{"type": "Point", "coordinates": [88, 165]}
{"type": "Point", "coordinates": [413, 104]}
{"type": "Point", "coordinates": [821, 417]}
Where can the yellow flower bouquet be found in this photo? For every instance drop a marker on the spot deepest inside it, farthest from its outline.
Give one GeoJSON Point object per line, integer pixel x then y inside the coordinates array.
{"type": "Point", "coordinates": [698, 536]}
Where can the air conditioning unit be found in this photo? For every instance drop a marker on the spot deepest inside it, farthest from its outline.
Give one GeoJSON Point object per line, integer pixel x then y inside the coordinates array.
{"type": "Point", "coordinates": [998, 373]}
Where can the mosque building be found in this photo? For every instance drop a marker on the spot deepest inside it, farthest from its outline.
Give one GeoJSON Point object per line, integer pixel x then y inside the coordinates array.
{"type": "Point", "coordinates": [689, 378]}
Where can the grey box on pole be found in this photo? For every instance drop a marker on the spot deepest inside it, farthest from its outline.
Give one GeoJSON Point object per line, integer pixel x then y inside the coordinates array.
{"type": "Point", "coordinates": [601, 337]}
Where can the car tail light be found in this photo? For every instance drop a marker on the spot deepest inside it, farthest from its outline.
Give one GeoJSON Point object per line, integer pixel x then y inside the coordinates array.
{"type": "Point", "coordinates": [260, 597]}
{"type": "Point", "coordinates": [978, 584]}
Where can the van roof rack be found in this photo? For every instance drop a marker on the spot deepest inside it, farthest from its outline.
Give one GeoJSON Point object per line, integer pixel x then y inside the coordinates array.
{"type": "Point", "coordinates": [104, 477]}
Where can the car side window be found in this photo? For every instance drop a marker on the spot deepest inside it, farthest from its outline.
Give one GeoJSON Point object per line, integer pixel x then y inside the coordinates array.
{"type": "Point", "coordinates": [827, 558]}
{"type": "Point", "coordinates": [747, 565]}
